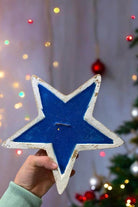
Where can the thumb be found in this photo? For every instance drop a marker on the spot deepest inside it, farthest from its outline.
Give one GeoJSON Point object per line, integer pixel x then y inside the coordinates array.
{"type": "Point", "coordinates": [43, 161]}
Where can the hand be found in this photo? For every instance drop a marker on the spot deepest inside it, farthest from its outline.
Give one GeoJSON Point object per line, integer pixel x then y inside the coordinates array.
{"type": "Point", "coordinates": [36, 175]}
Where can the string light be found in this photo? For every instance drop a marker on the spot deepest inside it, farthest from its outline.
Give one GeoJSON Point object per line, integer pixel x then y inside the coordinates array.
{"type": "Point", "coordinates": [134, 77]}
{"type": "Point", "coordinates": [110, 187]}
{"type": "Point", "coordinates": [126, 181]}
{"type": "Point", "coordinates": [55, 64]}
{"type": "Point", "coordinates": [25, 56]}
{"type": "Point", "coordinates": [6, 42]}
{"type": "Point", "coordinates": [56, 10]}
{"type": "Point", "coordinates": [102, 154]}
{"type": "Point", "coordinates": [2, 74]}
{"type": "Point", "coordinates": [18, 105]}
{"type": "Point", "coordinates": [21, 94]}
{"type": "Point", "coordinates": [133, 17]}
{"type": "Point", "coordinates": [0, 140]}
{"type": "Point", "coordinates": [19, 152]}
{"type": "Point", "coordinates": [47, 44]}
{"type": "Point", "coordinates": [15, 85]}
{"type": "Point", "coordinates": [1, 95]}
{"type": "Point", "coordinates": [0, 124]}
{"type": "Point", "coordinates": [106, 185]}
{"type": "Point", "coordinates": [1, 117]}
{"type": "Point", "coordinates": [122, 186]}
{"type": "Point", "coordinates": [27, 118]}
{"type": "Point", "coordinates": [27, 77]}
{"type": "Point", "coordinates": [30, 21]}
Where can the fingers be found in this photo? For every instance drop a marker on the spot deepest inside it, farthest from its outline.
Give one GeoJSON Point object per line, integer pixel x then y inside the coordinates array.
{"type": "Point", "coordinates": [42, 161]}
{"type": "Point", "coordinates": [41, 152]}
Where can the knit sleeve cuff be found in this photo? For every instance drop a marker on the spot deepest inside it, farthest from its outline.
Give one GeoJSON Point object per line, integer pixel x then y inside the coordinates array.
{"type": "Point", "coordinates": [18, 196]}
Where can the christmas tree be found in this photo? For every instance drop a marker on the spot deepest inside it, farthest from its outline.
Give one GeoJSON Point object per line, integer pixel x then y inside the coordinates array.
{"type": "Point", "coordinates": [122, 191]}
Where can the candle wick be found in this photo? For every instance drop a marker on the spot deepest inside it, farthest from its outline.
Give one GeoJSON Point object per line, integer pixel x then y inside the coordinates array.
{"type": "Point", "coordinates": [64, 124]}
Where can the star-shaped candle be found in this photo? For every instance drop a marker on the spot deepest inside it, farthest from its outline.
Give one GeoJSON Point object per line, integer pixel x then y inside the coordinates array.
{"type": "Point", "coordinates": [64, 126]}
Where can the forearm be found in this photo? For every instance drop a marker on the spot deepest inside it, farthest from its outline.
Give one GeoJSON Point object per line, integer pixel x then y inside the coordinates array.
{"type": "Point", "coordinates": [18, 196]}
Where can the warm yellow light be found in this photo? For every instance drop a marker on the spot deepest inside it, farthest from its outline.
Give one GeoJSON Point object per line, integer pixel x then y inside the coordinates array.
{"type": "Point", "coordinates": [27, 118]}
{"type": "Point", "coordinates": [25, 56]}
{"type": "Point", "coordinates": [27, 77]}
{"type": "Point", "coordinates": [126, 181]}
{"type": "Point", "coordinates": [15, 85]}
{"type": "Point", "coordinates": [122, 186]}
{"type": "Point", "coordinates": [55, 64]}
{"type": "Point", "coordinates": [0, 140]}
{"type": "Point", "coordinates": [1, 95]}
{"type": "Point", "coordinates": [2, 74]}
{"type": "Point", "coordinates": [110, 187]}
{"type": "Point", "coordinates": [56, 10]}
{"type": "Point", "coordinates": [1, 117]}
{"type": "Point", "coordinates": [134, 77]}
{"type": "Point", "coordinates": [47, 44]}
{"type": "Point", "coordinates": [0, 124]}
{"type": "Point", "coordinates": [18, 105]}
{"type": "Point", "coordinates": [106, 185]}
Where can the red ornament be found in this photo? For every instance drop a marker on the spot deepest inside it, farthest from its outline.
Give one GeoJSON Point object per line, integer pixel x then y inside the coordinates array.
{"type": "Point", "coordinates": [30, 21]}
{"type": "Point", "coordinates": [104, 196]}
{"type": "Point", "coordinates": [90, 195]}
{"type": "Point", "coordinates": [80, 198]}
{"type": "Point", "coordinates": [98, 67]}
{"type": "Point", "coordinates": [133, 17]}
{"type": "Point", "coordinates": [129, 38]}
{"type": "Point", "coordinates": [131, 200]}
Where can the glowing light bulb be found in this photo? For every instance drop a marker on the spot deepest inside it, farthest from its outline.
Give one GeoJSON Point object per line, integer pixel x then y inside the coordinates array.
{"type": "Point", "coordinates": [30, 21]}
{"type": "Point", "coordinates": [27, 118]}
{"type": "Point", "coordinates": [2, 74]}
{"type": "Point", "coordinates": [1, 117]}
{"type": "Point", "coordinates": [55, 64]}
{"type": "Point", "coordinates": [122, 186]}
{"type": "Point", "coordinates": [15, 85]}
{"type": "Point", "coordinates": [18, 105]}
{"type": "Point", "coordinates": [22, 94]}
{"type": "Point", "coordinates": [47, 44]}
{"type": "Point", "coordinates": [19, 152]}
{"type": "Point", "coordinates": [106, 185]}
{"type": "Point", "coordinates": [56, 10]}
{"type": "Point", "coordinates": [0, 124]}
{"type": "Point", "coordinates": [1, 95]}
{"type": "Point", "coordinates": [133, 17]}
{"type": "Point", "coordinates": [126, 181]}
{"type": "Point", "coordinates": [134, 77]}
{"type": "Point", "coordinates": [6, 42]}
{"type": "Point", "coordinates": [102, 154]}
{"type": "Point", "coordinates": [110, 187]}
{"type": "Point", "coordinates": [25, 56]}
{"type": "Point", "coordinates": [27, 77]}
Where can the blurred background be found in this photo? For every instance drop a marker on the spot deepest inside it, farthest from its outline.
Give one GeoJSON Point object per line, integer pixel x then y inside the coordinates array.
{"type": "Point", "coordinates": [60, 41]}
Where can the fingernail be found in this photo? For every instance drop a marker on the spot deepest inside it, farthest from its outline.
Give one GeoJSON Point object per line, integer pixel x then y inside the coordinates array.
{"type": "Point", "coordinates": [54, 165]}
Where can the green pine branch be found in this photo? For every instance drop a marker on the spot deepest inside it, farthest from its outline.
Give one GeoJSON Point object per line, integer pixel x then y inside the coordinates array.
{"type": "Point", "coordinates": [127, 127]}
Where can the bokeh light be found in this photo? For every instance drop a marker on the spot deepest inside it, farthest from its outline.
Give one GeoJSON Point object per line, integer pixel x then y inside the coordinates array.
{"type": "Point", "coordinates": [56, 10]}
{"type": "Point", "coordinates": [18, 105]}
{"type": "Point", "coordinates": [25, 56]}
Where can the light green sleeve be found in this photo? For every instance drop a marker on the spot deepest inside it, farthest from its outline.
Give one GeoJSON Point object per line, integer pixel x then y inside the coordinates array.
{"type": "Point", "coordinates": [16, 196]}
